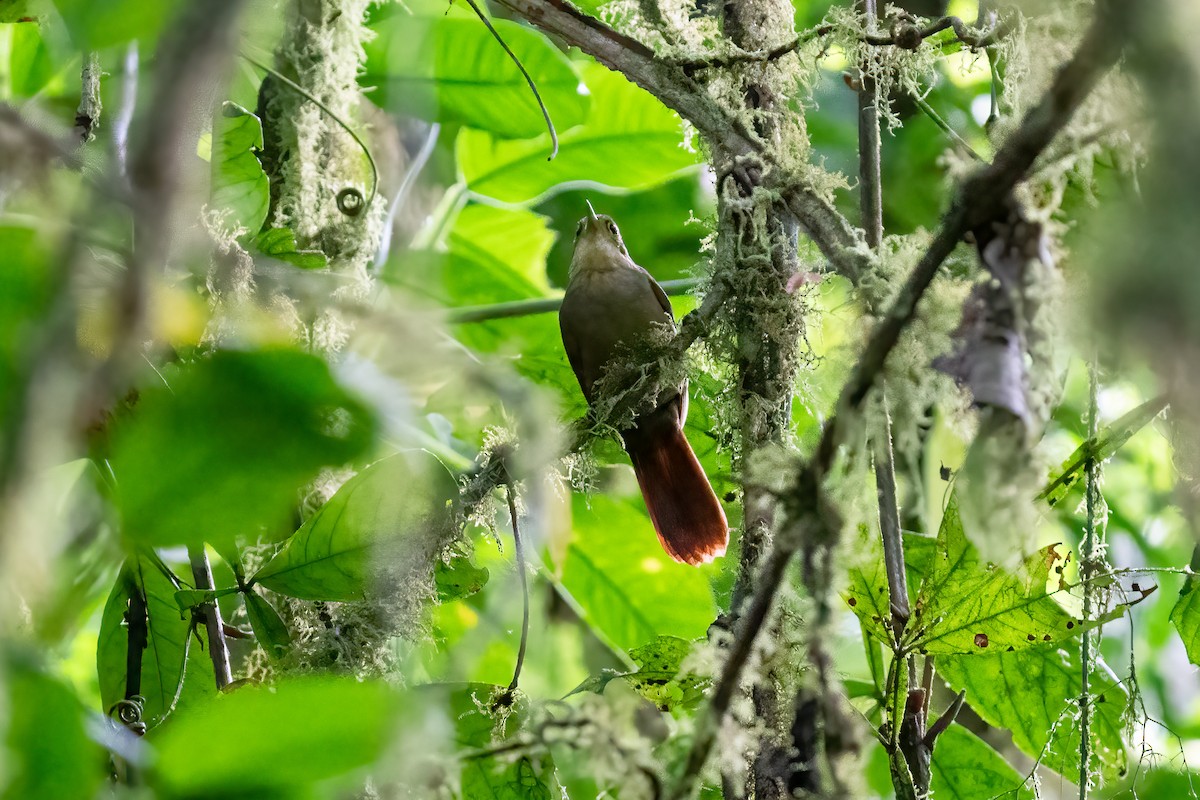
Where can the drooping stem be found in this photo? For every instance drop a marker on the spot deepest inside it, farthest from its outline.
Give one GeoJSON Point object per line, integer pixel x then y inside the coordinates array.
{"type": "Point", "coordinates": [217, 649]}
{"type": "Point", "coordinates": [519, 546]}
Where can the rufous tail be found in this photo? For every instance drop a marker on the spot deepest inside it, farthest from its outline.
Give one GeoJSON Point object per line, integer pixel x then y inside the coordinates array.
{"type": "Point", "coordinates": [687, 516]}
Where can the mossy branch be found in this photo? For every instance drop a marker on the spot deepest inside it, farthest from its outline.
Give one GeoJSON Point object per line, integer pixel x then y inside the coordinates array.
{"type": "Point", "coordinates": [978, 200]}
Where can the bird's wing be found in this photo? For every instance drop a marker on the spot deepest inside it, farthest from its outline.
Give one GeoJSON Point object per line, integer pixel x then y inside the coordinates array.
{"type": "Point", "coordinates": [659, 295]}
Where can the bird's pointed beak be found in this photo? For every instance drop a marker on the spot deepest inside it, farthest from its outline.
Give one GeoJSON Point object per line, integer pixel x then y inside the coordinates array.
{"type": "Point", "coordinates": [591, 211]}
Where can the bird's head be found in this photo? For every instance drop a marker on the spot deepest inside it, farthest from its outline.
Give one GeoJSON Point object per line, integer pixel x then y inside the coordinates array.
{"type": "Point", "coordinates": [598, 243]}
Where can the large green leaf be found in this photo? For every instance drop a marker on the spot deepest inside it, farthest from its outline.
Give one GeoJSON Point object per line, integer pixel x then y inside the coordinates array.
{"type": "Point", "coordinates": [452, 70]}
{"type": "Point", "coordinates": [497, 254]}
{"type": "Point", "coordinates": [96, 24]}
{"type": "Point", "coordinates": [49, 754]}
{"type": "Point", "coordinates": [1185, 616]}
{"type": "Point", "coordinates": [224, 450]}
{"type": "Point", "coordinates": [629, 141]}
{"type": "Point", "coordinates": [627, 587]}
{"type": "Point", "coordinates": [239, 185]}
{"type": "Point", "coordinates": [332, 555]}
{"type": "Point", "coordinates": [167, 644]}
{"type": "Point", "coordinates": [966, 606]}
{"type": "Point", "coordinates": [31, 65]}
{"type": "Point", "coordinates": [967, 768]}
{"type": "Point", "coordinates": [261, 739]}
{"type": "Point", "coordinates": [1035, 694]}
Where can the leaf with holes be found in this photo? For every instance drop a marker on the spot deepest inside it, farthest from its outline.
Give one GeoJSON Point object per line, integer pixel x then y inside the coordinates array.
{"type": "Point", "coordinates": [966, 606]}
{"type": "Point", "coordinates": [1035, 694]}
{"type": "Point", "coordinates": [386, 505]}
{"type": "Point", "coordinates": [659, 677]}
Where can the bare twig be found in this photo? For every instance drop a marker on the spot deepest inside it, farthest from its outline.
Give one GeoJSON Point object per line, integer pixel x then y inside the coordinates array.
{"type": "Point", "coordinates": [524, 73]}
{"type": "Point", "coordinates": [1088, 567]}
{"type": "Point", "coordinates": [217, 649]}
{"type": "Point", "coordinates": [543, 305]}
{"type": "Point", "coordinates": [87, 116]}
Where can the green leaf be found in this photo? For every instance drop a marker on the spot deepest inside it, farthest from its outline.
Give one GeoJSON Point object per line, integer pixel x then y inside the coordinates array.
{"type": "Point", "coordinates": [280, 243]}
{"type": "Point", "coordinates": [96, 24]}
{"type": "Point", "coordinates": [31, 66]}
{"type": "Point", "coordinates": [965, 606]}
{"type": "Point", "coordinates": [1035, 694]}
{"type": "Point", "coordinates": [480, 721]}
{"type": "Point", "coordinates": [49, 753]}
{"type": "Point", "coordinates": [269, 629]}
{"type": "Point", "coordinates": [1185, 616]}
{"type": "Point", "coordinates": [658, 677]}
{"type": "Point", "coordinates": [452, 70]}
{"type": "Point", "coordinates": [167, 643]}
{"type": "Point", "coordinates": [458, 578]}
{"type": "Point", "coordinates": [497, 254]}
{"type": "Point", "coordinates": [626, 586]}
{"type": "Point", "coordinates": [866, 591]}
{"type": "Point", "coordinates": [1108, 441]}
{"type": "Point", "coordinates": [224, 450]}
{"type": "Point", "coordinates": [393, 500]}
{"type": "Point", "coordinates": [629, 141]}
{"type": "Point", "coordinates": [259, 739]}
{"type": "Point", "coordinates": [239, 185]}
{"type": "Point", "coordinates": [967, 768]}
{"type": "Point", "coordinates": [14, 11]}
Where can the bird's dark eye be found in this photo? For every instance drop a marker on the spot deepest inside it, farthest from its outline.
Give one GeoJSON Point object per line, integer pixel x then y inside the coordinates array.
{"type": "Point", "coordinates": [612, 228]}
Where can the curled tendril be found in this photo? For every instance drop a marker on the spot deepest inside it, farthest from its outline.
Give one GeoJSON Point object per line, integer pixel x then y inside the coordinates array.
{"type": "Point", "coordinates": [349, 207]}
{"type": "Point", "coordinates": [129, 713]}
{"type": "Point", "coordinates": [351, 202]}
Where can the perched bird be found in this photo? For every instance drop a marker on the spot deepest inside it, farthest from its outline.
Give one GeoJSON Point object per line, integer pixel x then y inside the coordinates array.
{"type": "Point", "coordinates": [611, 301]}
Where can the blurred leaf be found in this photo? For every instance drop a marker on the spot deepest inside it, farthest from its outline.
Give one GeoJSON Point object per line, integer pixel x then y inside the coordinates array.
{"type": "Point", "coordinates": [96, 24]}
{"type": "Point", "coordinates": [14, 10]}
{"type": "Point", "coordinates": [224, 450]}
{"type": "Point", "coordinates": [967, 768]}
{"type": "Point", "coordinates": [458, 578]}
{"type": "Point", "coordinates": [1108, 441]}
{"type": "Point", "coordinates": [629, 141]}
{"type": "Point", "coordinates": [966, 606]}
{"type": "Point", "coordinates": [658, 677]}
{"type": "Point", "coordinates": [239, 184]}
{"type": "Point", "coordinates": [269, 629]}
{"type": "Point", "coordinates": [331, 556]}
{"type": "Point", "coordinates": [31, 66]}
{"type": "Point", "coordinates": [1185, 616]}
{"type": "Point", "coordinates": [451, 70]}
{"type": "Point", "coordinates": [187, 599]}
{"type": "Point", "coordinates": [1039, 703]}
{"type": "Point", "coordinates": [26, 290]}
{"type": "Point", "coordinates": [280, 243]}
{"type": "Point", "coordinates": [167, 643]}
{"type": "Point", "coordinates": [49, 753]}
{"type": "Point", "coordinates": [627, 587]}
{"type": "Point", "coordinates": [497, 254]}
{"type": "Point", "coordinates": [259, 739]}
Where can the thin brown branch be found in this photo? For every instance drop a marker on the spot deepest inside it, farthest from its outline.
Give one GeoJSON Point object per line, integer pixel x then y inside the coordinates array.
{"type": "Point", "coordinates": [734, 148]}
{"type": "Point", "coordinates": [217, 649]}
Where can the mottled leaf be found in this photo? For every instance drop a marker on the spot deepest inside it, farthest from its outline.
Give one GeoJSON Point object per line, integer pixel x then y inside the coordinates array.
{"type": "Point", "coordinates": [458, 578]}
{"type": "Point", "coordinates": [658, 677]}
